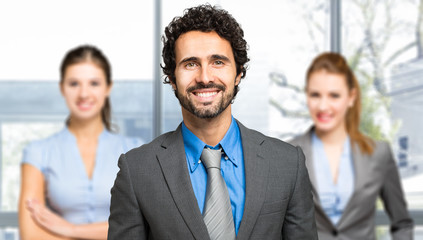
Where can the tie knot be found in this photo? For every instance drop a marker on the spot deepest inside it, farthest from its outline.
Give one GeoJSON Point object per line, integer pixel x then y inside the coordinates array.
{"type": "Point", "coordinates": [211, 158]}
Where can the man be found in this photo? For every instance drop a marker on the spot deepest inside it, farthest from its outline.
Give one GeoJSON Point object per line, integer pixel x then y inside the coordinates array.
{"type": "Point", "coordinates": [162, 190]}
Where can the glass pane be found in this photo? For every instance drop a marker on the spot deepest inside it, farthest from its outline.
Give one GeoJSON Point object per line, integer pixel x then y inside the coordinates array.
{"type": "Point", "coordinates": [38, 37]}
{"type": "Point", "coordinates": [382, 41]}
{"type": "Point", "coordinates": [279, 53]}
{"type": "Point", "coordinates": [14, 137]}
{"type": "Point", "coordinates": [40, 111]}
{"type": "Point", "coordinates": [9, 233]}
{"type": "Point", "coordinates": [31, 106]}
{"type": "Point", "coordinates": [382, 233]}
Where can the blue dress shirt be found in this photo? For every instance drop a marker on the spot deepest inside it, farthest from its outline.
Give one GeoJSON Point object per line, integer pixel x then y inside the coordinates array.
{"type": "Point", "coordinates": [232, 168]}
{"type": "Point", "coordinates": [333, 196]}
{"type": "Point", "coordinates": [69, 191]}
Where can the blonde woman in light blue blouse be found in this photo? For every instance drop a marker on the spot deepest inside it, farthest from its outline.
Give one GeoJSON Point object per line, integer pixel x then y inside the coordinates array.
{"type": "Point", "coordinates": [67, 177]}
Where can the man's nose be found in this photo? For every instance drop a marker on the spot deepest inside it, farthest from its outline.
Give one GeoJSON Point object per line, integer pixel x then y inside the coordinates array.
{"type": "Point", "coordinates": [206, 75]}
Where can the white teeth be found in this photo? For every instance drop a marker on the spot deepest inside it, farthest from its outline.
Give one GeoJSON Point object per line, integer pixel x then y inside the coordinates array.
{"type": "Point", "coordinates": [206, 94]}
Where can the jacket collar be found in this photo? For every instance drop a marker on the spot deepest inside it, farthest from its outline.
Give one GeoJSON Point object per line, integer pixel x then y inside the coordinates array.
{"type": "Point", "coordinates": [173, 163]}
{"type": "Point", "coordinates": [360, 174]}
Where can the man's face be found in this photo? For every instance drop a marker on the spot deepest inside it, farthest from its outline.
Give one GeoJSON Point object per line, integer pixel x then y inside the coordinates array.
{"type": "Point", "coordinates": [205, 73]}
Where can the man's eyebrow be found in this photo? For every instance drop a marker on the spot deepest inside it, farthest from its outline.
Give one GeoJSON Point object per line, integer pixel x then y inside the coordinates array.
{"type": "Point", "coordinates": [219, 57]}
{"type": "Point", "coordinates": [188, 59]}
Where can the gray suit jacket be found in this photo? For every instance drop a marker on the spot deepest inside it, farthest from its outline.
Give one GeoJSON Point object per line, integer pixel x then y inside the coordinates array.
{"type": "Point", "coordinates": [153, 198]}
{"type": "Point", "coordinates": [375, 175]}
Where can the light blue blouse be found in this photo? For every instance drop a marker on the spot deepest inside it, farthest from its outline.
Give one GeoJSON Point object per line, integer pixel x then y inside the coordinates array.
{"type": "Point", "coordinates": [333, 197]}
{"type": "Point", "coordinates": [69, 190]}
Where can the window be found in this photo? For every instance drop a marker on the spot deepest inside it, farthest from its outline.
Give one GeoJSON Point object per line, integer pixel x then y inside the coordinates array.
{"type": "Point", "coordinates": [283, 36]}
{"type": "Point", "coordinates": [381, 40]}
{"type": "Point", "coordinates": [35, 39]}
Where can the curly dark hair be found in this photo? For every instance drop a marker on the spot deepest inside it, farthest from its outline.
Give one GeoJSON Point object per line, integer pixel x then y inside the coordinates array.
{"type": "Point", "coordinates": [204, 18]}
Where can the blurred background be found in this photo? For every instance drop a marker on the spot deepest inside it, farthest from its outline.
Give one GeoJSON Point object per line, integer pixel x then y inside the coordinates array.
{"type": "Point", "coordinates": [382, 40]}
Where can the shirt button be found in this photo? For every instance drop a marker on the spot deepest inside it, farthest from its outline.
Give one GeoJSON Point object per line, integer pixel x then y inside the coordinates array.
{"type": "Point", "coordinates": [226, 158]}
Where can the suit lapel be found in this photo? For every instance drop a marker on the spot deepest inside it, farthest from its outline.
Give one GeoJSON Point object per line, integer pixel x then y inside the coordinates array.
{"type": "Point", "coordinates": [256, 173]}
{"type": "Point", "coordinates": [173, 163]}
{"type": "Point", "coordinates": [360, 170]}
{"type": "Point", "coordinates": [306, 145]}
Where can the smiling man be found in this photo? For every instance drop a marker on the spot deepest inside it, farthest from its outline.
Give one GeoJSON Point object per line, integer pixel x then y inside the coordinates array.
{"type": "Point", "coordinates": [211, 178]}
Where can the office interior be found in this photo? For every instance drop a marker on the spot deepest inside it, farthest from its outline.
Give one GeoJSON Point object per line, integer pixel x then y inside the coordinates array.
{"type": "Point", "coordinates": [382, 41]}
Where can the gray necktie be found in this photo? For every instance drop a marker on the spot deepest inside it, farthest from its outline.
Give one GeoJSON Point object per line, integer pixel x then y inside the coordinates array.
{"type": "Point", "coordinates": [217, 213]}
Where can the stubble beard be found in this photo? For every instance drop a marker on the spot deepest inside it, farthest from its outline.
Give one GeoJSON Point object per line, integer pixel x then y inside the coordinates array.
{"type": "Point", "coordinates": [206, 110]}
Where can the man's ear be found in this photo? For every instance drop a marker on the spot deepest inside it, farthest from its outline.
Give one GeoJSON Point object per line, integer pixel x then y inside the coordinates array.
{"type": "Point", "coordinates": [173, 83]}
{"type": "Point", "coordinates": [238, 79]}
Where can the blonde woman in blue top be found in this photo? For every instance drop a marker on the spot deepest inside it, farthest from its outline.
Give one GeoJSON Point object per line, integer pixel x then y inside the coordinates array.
{"type": "Point", "coordinates": [347, 169]}
{"type": "Point", "coordinates": [66, 178]}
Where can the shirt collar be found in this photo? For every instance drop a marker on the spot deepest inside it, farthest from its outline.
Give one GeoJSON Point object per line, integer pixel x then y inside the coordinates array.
{"type": "Point", "coordinates": [194, 146]}
{"type": "Point", "coordinates": [346, 150]}
{"type": "Point", "coordinates": [104, 134]}
{"type": "Point", "coordinates": [231, 142]}
{"type": "Point", "coordinates": [347, 147]}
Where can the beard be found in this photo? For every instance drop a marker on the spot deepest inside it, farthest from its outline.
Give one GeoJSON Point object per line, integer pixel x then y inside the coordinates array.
{"type": "Point", "coordinates": [208, 109]}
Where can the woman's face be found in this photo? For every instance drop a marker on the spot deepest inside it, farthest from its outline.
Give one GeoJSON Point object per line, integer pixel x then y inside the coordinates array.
{"type": "Point", "coordinates": [328, 100]}
{"type": "Point", "coordinates": [85, 90]}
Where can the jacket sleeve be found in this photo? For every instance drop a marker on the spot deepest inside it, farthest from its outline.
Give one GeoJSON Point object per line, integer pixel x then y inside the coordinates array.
{"type": "Point", "coordinates": [394, 202]}
{"type": "Point", "coordinates": [126, 220]}
{"type": "Point", "coordinates": [299, 220]}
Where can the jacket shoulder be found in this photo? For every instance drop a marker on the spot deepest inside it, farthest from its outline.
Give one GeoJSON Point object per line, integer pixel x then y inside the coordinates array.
{"type": "Point", "coordinates": [270, 144]}
{"type": "Point", "coordinates": [297, 140]}
{"type": "Point", "coordinates": [149, 149]}
{"type": "Point", "coordinates": [382, 151]}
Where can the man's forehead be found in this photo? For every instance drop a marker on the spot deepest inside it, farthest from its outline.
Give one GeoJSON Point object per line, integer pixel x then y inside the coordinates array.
{"type": "Point", "coordinates": [202, 45]}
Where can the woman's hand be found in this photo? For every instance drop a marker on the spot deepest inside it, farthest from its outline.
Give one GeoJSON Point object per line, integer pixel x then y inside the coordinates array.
{"type": "Point", "coordinates": [49, 220]}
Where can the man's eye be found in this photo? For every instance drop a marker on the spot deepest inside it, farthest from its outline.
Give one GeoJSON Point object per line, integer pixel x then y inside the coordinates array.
{"type": "Point", "coordinates": [73, 84]}
{"type": "Point", "coordinates": [218, 62]}
{"type": "Point", "coordinates": [190, 65]}
{"type": "Point", "coordinates": [95, 83]}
